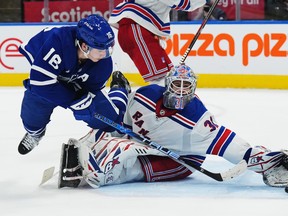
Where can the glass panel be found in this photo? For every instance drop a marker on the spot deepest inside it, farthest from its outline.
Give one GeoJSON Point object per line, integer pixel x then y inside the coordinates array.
{"type": "Point", "coordinates": [238, 10]}
{"type": "Point", "coordinates": [73, 10]}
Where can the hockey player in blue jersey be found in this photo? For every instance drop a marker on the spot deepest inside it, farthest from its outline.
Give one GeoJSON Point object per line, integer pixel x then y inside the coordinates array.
{"type": "Point", "coordinates": [175, 118]}
{"type": "Point", "coordinates": [70, 66]}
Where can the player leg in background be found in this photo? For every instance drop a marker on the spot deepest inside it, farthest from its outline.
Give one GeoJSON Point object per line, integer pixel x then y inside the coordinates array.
{"type": "Point", "coordinates": [35, 114]}
{"type": "Point", "coordinates": [145, 50]}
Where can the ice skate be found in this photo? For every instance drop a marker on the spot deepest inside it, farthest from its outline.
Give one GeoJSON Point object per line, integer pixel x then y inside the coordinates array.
{"type": "Point", "coordinates": [119, 81]}
{"type": "Point", "coordinates": [29, 142]}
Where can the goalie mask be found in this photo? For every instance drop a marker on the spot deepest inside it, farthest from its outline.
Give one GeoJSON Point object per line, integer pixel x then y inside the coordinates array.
{"type": "Point", "coordinates": [95, 31]}
{"type": "Point", "coordinates": [180, 86]}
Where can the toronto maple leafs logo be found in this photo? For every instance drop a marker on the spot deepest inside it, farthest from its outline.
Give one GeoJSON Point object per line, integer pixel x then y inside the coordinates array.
{"type": "Point", "coordinates": [109, 34]}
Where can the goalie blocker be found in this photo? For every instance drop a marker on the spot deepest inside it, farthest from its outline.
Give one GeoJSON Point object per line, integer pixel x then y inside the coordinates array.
{"type": "Point", "coordinates": [98, 159]}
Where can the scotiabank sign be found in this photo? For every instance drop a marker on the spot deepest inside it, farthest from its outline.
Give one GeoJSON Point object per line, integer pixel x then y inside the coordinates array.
{"type": "Point", "coordinates": [73, 11]}
{"type": "Point", "coordinates": [66, 11]}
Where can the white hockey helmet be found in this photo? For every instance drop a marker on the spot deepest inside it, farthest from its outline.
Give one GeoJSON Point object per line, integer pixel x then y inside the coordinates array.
{"type": "Point", "coordinates": [180, 85]}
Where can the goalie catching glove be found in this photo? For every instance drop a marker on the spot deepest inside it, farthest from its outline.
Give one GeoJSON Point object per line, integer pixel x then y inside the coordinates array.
{"type": "Point", "coordinates": [278, 175]}
{"type": "Point", "coordinates": [272, 165]}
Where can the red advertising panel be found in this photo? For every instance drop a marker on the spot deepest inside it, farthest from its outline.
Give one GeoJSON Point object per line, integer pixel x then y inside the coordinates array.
{"type": "Point", "coordinates": [66, 11]}
{"type": "Point", "coordinates": [73, 11]}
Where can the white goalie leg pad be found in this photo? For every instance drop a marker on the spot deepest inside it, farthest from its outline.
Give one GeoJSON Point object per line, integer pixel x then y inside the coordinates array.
{"type": "Point", "coordinates": [113, 161]}
{"type": "Point", "coordinates": [92, 137]}
{"type": "Point", "coordinates": [269, 164]}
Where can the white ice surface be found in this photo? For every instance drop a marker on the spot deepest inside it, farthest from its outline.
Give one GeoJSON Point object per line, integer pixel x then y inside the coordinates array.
{"type": "Point", "coordinates": [259, 116]}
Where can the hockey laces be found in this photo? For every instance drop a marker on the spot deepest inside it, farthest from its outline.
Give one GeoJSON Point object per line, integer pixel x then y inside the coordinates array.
{"type": "Point", "coordinates": [30, 142]}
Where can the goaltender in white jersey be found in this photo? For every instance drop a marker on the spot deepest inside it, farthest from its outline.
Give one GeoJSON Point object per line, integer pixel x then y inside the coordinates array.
{"type": "Point", "coordinates": [174, 117]}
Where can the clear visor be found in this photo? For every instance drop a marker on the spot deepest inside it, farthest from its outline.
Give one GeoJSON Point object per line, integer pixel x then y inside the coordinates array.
{"type": "Point", "coordinates": [102, 53]}
{"type": "Point", "coordinates": [96, 53]}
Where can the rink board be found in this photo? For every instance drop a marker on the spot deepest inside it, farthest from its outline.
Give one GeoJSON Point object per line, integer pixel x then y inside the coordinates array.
{"type": "Point", "coordinates": [227, 54]}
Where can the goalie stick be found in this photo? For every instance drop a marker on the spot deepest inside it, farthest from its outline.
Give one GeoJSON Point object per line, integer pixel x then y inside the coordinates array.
{"type": "Point", "coordinates": [230, 174]}
{"type": "Point", "coordinates": [195, 38]}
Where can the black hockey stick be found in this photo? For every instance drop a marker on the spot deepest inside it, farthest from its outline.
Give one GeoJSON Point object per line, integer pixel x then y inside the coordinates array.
{"type": "Point", "coordinates": [195, 38]}
{"type": "Point", "coordinates": [231, 173]}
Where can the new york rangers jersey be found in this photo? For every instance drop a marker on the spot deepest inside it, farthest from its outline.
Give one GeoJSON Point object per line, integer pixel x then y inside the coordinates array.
{"type": "Point", "coordinates": [56, 73]}
{"type": "Point", "coordinates": [191, 132]}
{"type": "Point", "coordinates": [150, 14]}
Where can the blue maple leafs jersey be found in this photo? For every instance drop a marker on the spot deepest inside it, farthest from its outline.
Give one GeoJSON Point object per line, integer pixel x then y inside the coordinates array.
{"type": "Point", "coordinates": [56, 73]}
